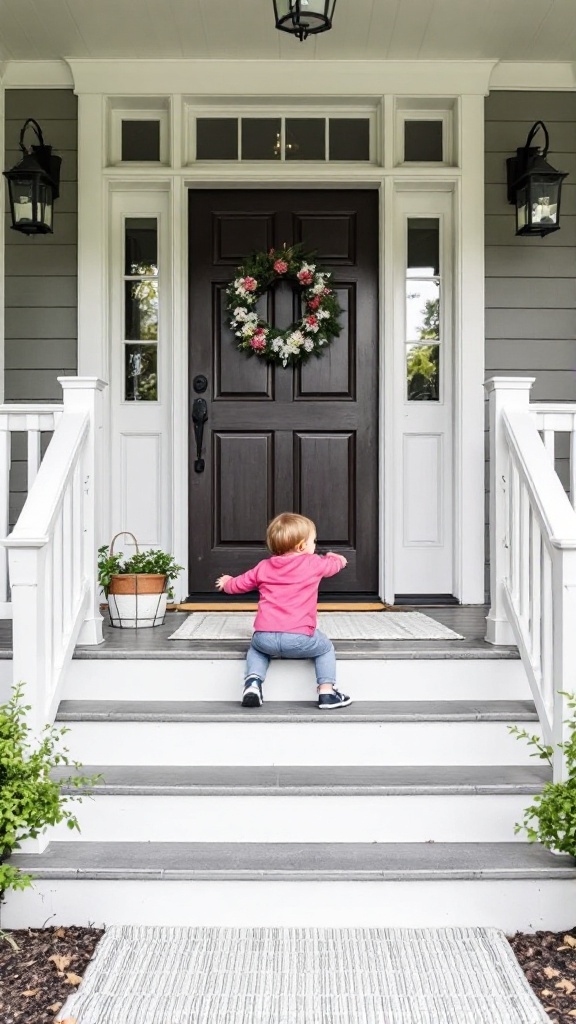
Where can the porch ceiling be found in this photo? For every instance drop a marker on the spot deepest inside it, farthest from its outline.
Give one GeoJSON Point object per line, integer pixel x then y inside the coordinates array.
{"type": "Point", "coordinates": [517, 30]}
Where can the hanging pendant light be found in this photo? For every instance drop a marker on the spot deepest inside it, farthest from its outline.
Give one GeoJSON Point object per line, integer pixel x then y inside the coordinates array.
{"type": "Point", "coordinates": [303, 18]}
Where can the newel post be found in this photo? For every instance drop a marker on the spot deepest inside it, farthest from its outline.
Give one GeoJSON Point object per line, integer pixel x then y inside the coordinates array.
{"type": "Point", "coordinates": [84, 394]}
{"type": "Point", "coordinates": [503, 393]}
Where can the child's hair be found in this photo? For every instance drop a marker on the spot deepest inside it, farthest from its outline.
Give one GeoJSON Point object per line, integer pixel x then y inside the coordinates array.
{"type": "Point", "coordinates": [287, 531]}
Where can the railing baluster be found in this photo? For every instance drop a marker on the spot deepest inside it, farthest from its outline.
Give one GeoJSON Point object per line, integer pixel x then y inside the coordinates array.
{"type": "Point", "coordinates": [535, 593]}
{"type": "Point", "coordinates": [33, 451]}
{"type": "Point", "coordinates": [524, 553]}
{"type": "Point", "coordinates": [547, 631]}
{"type": "Point", "coordinates": [548, 437]}
{"type": "Point", "coordinates": [5, 442]}
{"type": "Point", "coordinates": [573, 463]}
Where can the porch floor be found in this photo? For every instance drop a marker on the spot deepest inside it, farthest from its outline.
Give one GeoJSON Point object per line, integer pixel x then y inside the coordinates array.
{"type": "Point", "coordinates": [468, 620]}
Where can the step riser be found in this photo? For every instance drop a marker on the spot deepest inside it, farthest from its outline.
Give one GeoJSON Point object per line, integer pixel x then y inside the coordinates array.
{"type": "Point", "coordinates": [440, 679]}
{"type": "Point", "coordinates": [521, 905]}
{"type": "Point", "coordinates": [302, 743]}
{"type": "Point", "coordinates": [297, 819]}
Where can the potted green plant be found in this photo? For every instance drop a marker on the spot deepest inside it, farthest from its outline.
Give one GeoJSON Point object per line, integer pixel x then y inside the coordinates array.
{"type": "Point", "coordinates": [551, 817]}
{"type": "Point", "coordinates": [136, 587]}
{"type": "Point", "coordinates": [31, 797]}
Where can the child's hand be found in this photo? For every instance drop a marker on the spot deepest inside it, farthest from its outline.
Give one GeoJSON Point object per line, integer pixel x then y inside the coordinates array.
{"type": "Point", "coordinates": [221, 582]}
{"type": "Point", "coordinates": [341, 557]}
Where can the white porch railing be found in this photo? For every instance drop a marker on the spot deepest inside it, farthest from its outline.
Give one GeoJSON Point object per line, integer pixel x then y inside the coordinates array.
{"type": "Point", "coordinates": [52, 553]}
{"type": "Point", "coordinates": [533, 548]}
{"type": "Point", "coordinates": [32, 420]}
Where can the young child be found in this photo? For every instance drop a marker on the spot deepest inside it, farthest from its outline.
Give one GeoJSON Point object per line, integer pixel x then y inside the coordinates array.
{"type": "Point", "coordinates": [285, 623]}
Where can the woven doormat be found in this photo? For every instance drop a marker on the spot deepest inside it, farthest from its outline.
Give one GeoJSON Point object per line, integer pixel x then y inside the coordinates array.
{"type": "Point", "coordinates": [146, 975]}
{"type": "Point", "coordinates": [337, 625]}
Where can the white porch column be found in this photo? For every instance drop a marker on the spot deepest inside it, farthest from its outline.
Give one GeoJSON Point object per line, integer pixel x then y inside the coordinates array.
{"type": "Point", "coordinates": [84, 394]}
{"type": "Point", "coordinates": [503, 393]}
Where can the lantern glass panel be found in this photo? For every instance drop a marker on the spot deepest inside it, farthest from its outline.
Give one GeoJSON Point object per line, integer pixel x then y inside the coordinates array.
{"type": "Point", "coordinates": [22, 192]}
{"type": "Point", "coordinates": [544, 201]}
{"type": "Point", "coordinates": [522, 210]}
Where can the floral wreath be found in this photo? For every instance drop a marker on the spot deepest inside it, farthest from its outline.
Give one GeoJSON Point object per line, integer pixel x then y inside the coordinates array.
{"type": "Point", "coordinates": [308, 336]}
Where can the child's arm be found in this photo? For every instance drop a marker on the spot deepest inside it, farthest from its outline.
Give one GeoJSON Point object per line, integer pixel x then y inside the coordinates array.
{"type": "Point", "coordinates": [331, 563]}
{"type": "Point", "coordinates": [239, 584]}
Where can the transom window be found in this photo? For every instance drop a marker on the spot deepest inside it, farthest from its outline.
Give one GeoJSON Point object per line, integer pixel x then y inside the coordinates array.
{"type": "Point", "coordinates": [284, 138]}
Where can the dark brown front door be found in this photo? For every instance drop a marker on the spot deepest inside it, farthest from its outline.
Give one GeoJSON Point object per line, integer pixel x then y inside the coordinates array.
{"type": "Point", "coordinates": [301, 440]}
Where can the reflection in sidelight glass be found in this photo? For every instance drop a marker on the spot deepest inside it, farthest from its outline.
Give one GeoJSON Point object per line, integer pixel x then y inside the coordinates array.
{"type": "Point", "coordinates": [423, 373]}
{"type": "Point", "coordinates": [141, 310]}
{"type": "Point", "coordinates": [141, 374]}
{"type": "Point", "coordinates": [141, 246]}
{"type": "Point", "coordinates": [423, 321]}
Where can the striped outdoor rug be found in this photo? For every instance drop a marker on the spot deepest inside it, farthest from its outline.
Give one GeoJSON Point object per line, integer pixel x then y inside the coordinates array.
{"type": "Point", "coordinates": [337, 625]}
{"type": "Point", "coordinates": [146, 975]}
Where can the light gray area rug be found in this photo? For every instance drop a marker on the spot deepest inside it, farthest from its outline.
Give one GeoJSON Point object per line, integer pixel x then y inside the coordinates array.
{"type": "Point", "coordinates": [337, 625]}
{"type": "Point", "coordinates": [146, 975]}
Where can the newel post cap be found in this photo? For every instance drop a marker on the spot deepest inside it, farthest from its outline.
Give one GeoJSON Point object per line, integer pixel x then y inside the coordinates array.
{"type": "Point", "coordinates": [509, 383]}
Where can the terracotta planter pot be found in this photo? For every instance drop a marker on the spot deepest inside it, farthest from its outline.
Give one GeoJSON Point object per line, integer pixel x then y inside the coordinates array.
{"type": "Point", "coordinates": [137, 583]}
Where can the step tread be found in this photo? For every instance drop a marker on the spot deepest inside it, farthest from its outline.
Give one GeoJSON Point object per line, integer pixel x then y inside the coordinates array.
{"type": "Point", "coordinates": [120, 780]}
{"type": "Point", "coordinates": [297, 711]}
{"type": "Point", "coordinates": [296, 861]}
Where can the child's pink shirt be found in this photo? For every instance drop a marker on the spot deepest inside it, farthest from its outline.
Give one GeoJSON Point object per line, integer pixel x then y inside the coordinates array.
{"type": "Point", "coordinates": [288, 586]}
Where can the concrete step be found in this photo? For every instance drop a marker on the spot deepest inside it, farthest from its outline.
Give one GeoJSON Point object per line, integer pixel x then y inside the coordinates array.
{"type": "Point", "coordinates": [507, 885]}
{"type": "Point", "coordinates": [219, 733]}
{"type": "Point", "coordinates": [307, 804]}
{"type": "Point", "coordinates": [365, 678]}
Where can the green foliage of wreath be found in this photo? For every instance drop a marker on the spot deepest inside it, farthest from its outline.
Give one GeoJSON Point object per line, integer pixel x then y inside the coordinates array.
{"type": "Point", "coordinates": [306, 337]}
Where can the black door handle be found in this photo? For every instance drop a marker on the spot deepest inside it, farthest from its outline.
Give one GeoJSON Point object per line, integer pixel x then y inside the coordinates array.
{"type": "Point", "coordinates": [199, 417]}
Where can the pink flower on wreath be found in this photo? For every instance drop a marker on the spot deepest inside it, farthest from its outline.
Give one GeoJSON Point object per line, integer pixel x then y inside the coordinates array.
{"type": "Point", "coordinates": [326, 291]}
{"type": "Point", "coordinates": [280, 267]}
{"type": "Point", "coordinates": [311, 321]}
{"type": "Point", "coordinates": [305, 276]}
{"type": "Point", "coordinates": [314, 303]}
{"type": "Point", "coordinates": [250, 284]}
{"type": "Point", "coordinates": [258, 341]}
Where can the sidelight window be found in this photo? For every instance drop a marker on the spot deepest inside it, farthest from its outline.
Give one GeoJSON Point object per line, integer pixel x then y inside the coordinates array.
{"type": "Point", "coordinates": [423, 310]}
{"type": "Point", "coordinates": [140, 309]}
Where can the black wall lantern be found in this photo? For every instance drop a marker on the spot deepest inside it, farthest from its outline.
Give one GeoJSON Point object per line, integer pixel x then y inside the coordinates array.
{"type": "Point", "coordinates": [534, 186]}
{"type": "Point", "coordinates": [33, 185]}
{"type": "Point", "coordinates": [303, 18]}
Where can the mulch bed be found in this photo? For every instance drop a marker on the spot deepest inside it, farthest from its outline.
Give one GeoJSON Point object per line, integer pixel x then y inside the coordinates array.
{"type": "Point", "coordinates": [36, 979]}
{"type": "Point", "coordinates": [548, 960]}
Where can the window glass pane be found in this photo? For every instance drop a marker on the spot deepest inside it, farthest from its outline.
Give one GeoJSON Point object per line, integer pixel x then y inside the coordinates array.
{"type": "Point", "coordinates": [140, 373]}
{"type": "Point", "coordinates": [217, 138]}
{"type": "Point", "coordinates": [423, 247]}
{"type": "Point", "coordinates": [422, 372]}
{"type": "Point", "coordinates": [349, 138]}
{"type": "Point", "coordinates": [141, 310]}
{"type": "Point", "coordinates": [305, 138]}
{"type": "Point", "coordinates": [423, 141]}
{"type": "Point", "coordinates": [261, 138]}
{"type": "Point", "coordinates": [140, 140]}
{"type": "Point", "coordinates": [422, 310]}
{"type": "Point", "coordinates": [141, 246]}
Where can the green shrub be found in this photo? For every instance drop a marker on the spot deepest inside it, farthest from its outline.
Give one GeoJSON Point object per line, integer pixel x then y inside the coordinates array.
{"type": "Point", "coordinates": [551, 818]}
{"type": "Point", "coordinates": [30, 800]}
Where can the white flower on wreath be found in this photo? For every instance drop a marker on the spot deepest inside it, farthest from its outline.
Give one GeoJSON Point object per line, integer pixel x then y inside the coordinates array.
{"type": "Point", "coordinates": [241, 313]}
{"type": "Point", "coordinates": [309, 345]}
{"type": "Point", "coordinates": [247, 331]}
{"type": "Point", "coordinates": [322, 314]}
{"type": "Point", "coordinates": [295, 339]}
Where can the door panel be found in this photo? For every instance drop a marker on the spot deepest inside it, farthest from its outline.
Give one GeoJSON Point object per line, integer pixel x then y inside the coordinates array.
{"type": "Point", "coordinates": [285, 439]}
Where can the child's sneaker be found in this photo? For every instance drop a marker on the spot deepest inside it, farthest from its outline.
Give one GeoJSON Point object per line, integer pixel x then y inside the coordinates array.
{"type": "Point", "coordinates": [252, 696]}
{"type": "Point", "coordinates": [327, 701]}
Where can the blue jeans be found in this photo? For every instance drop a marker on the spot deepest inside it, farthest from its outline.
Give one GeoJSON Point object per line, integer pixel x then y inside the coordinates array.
{"type": "Point", "coordinates": [265, 646]}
